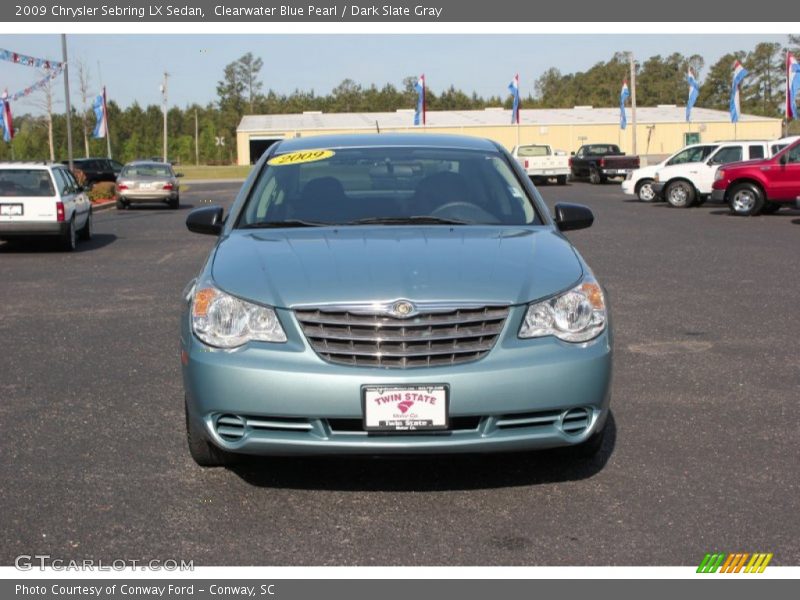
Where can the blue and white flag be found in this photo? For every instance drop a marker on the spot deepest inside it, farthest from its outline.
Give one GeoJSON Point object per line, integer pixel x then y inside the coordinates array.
{"type": "Point", "coordinates": [792, 86]}
{"type": "Point", "coordinates": [101, 126]}
{"type": "Point", "coordinates": [694, 92]}
{"type": "Point", "coordinates": [623, 96]}
{"type": "Point", "coordinates": [419, 115]}
{"type": "Point", "coordinates": [739, 73]}
{"type": "Point", "coordinates": [513, 87]}
{"type": "Point", "coordinates": [6, 123]}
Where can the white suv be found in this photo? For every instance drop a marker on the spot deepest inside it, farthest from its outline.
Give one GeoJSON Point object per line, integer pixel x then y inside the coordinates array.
{"type": "Point", "coordinates": [686, 184]}
{"type": "Point", "coordinates": [43, 199]}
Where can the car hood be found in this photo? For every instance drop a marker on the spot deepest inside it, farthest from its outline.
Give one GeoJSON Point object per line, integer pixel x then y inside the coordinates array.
{"type": "Point", "coordinates": [758, 162]}
{"type": "Point", "coordinates": [288, 268]}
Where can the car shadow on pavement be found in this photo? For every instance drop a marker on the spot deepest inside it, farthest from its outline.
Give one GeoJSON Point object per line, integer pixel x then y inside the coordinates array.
{"type": "Point", "coordinates": [426, 473]}
{"type": "Point", "coordinates": [32, 246]}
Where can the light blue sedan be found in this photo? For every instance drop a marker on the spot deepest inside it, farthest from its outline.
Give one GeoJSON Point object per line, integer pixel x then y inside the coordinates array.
{"type": "Point", "coordinates": [392, 294]}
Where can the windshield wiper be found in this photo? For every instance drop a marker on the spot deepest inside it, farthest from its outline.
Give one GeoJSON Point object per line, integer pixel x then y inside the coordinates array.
{"type": "Point", "coordinates": [286, 223]}
{"type": "Point", "coordinates": [414, 219]}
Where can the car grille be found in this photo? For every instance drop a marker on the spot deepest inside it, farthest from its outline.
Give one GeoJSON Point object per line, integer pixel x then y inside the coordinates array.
{"type": "Point", "coordinates": [428, 339]}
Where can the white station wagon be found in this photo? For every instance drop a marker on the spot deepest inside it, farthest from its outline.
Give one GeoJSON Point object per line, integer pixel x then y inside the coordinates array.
{"type": "Point", "coordinates": [40, 199]}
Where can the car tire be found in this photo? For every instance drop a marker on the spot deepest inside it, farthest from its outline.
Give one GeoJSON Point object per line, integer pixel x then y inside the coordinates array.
{"type": "Point", "coordinates": [69, 239]}
{"type": "Point", "coordinates": [745, 199]}
{"type": "Point", "coordinates": [644, 191]}
{"type": "Point", "coordinates": [121, 204]}
{"type": "Point", "coordinates": [595, 177]}
{"type": "Point", "coordinates": [203, 452]}
{"type": "Point", "coordinates": [770, 208]}
{"type": "Point", "coordinates": [680, 194]}
{"type": "Point", "coordinates": [85, 234]}
{"type": "Point", "coordinates": [561, 180]}
{"type": "Point", "coordinates": [174, 203]}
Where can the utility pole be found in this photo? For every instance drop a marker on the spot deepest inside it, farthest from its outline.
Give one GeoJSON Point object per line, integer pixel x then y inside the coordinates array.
{"type": "Point", "coordinates": [633, 100]}
{"type": "Point", "coordinates": [66, 96]}
{"type": "Point", "coordinates": [196, 146]}
{"type": "Point", "coordinates": [164, 106]}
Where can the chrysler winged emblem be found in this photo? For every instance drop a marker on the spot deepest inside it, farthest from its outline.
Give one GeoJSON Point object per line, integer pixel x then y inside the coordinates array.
{"type": "Point", "coordinates": [402, 309]}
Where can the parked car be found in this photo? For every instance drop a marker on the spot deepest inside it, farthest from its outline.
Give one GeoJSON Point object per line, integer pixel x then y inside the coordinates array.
{"type": "Point", "coordinates": [542, 163]}
{"type": "Point", "coordinates": [753, 187]}
{"type": "Point", "coordinates": [97, 169]}
{"type": "Point", "coordinates": [446, 313]}
{"type": "Point", "coordinates": [687, 184]}
{"type": "Point", "coordinates": [639, 183]}
{"type": "Point", "coordinates": [43, 200]}
{"type": "Point", "coordinates": [147, 181]}
{"type": "Point", "coordinates": [599, 162]}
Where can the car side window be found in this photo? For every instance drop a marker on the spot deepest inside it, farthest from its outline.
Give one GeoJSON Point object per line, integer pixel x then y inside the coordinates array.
{"type": "Point", "coordinates": [71, 181]}
{"type": "Point", "coordinates": [726, 155]}
{"type": "Point", "coordinates": [793, 155]}
{"type": "Point", "coordinates": [756, 152]}
{"type": "Point", "coordinates": [62, 183]}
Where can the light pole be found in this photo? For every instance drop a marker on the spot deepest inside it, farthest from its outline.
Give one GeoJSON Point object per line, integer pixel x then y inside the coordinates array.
{"type": "Point", "coordinates": [66, 96]}
{"type": "Point", "coordinates": [164, 109]}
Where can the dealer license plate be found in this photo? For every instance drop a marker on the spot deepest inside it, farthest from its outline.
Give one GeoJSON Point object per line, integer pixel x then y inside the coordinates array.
{"type": "Point", "coordinates": [403, 408]}
{"type": "Point", "coordinates": [10, 210]}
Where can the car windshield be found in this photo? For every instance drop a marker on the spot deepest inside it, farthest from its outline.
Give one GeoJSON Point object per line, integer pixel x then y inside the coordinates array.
{"type": "Point", "coordinates": [387, 185]}
{"type": "Point", "coordinates": [146, 170]}
{"type": "Point", "coordinates": [26, 182]}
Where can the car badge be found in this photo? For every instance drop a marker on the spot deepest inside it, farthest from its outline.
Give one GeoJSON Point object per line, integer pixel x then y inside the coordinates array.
{"type": "Point", "coordinates": [402, 309]}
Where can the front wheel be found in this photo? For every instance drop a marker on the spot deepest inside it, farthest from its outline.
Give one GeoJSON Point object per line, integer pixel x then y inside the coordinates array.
{"type": "Point", "coordinates": [644, 190]}
{"type": "Point", "coordinates": [680, 194]}
{"type": "Point", "coordinates": [746, 199]}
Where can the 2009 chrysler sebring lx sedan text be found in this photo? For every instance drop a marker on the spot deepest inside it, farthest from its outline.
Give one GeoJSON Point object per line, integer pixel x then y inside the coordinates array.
{"type": "Point", "coordinates": [392, 294]}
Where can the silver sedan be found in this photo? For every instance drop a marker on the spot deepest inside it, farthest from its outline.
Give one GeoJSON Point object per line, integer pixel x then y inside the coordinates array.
{"type": "Point", "coordinates": [148, 181]}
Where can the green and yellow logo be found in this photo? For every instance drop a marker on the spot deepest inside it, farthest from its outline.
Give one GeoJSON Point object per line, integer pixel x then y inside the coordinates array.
{"type": "Point", "coordinates": [735, 563]}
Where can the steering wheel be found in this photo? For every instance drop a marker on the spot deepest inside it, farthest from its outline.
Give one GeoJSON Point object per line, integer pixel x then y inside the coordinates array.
{"type": "Point", "coordinates": [465, 211]}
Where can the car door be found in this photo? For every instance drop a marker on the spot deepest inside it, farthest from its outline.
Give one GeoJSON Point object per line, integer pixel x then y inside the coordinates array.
{"type": "Point", "coordinates": [703, 173]}
{"type": "Point", "coordinates": [74, 200]}
{"type": "Point", "coordinates": [785, 176]}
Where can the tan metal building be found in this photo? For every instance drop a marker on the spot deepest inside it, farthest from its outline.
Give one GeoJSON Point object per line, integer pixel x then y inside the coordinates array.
{"type": "Point", "coordinates": [660, 130]}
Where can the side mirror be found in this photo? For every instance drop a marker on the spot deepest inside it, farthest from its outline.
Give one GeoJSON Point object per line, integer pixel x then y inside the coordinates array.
{"type": "Point", "coordinates": [573, 216]}
{"type": "Point", "coordinates": [784, 159]}
{"type": "Point", "coordinates": [205, 220]}
{"type": "Point", "coordinates": [572, 153]}
{"type": "Point", "coordinates": [178, 174]}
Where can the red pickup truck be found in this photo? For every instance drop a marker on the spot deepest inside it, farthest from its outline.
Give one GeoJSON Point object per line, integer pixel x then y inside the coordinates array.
{"type": "Point", "coordinates": [760, 186]}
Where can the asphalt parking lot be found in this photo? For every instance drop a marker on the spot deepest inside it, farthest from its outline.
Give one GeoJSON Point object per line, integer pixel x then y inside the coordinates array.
{"type": "Point", "coordinates": [703, 454]}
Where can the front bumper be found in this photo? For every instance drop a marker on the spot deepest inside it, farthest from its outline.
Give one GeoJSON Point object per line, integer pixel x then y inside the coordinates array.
{"type": "Point", "coordinates": [629, 187]}
{"type": "Point", "coordinates": [290, 401]}
{"type": "Point", "coordinates": [717, 195]}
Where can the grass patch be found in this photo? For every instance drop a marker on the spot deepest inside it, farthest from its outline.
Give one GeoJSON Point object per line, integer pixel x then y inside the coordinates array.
{"type": "Point", "coordinates": [213, 172]}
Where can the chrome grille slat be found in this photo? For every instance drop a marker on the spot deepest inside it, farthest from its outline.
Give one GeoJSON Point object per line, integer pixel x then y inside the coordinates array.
{"type": "Point", "coordinates": [427, 339]}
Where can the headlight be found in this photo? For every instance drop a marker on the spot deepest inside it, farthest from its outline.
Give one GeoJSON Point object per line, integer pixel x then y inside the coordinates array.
{"type": "Point", "coordinates": [655, 178]}
{"type": "Point", "coordinates": [629, 175]}
{"type": "Point", "coordinates": [720, 174]}
{"type": "Point", "coordinates": [225, 321]}
{"type": "Point", "coordinates": [578, 315]}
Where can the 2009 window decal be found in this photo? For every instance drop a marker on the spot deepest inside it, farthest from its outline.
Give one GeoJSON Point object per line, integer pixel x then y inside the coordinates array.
{"type": "Point", "coordinates": [296, 158]}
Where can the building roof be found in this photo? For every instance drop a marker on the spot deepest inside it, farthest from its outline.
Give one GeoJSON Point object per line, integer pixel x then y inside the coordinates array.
{"type": "Point", "coordinates": [481, 118]}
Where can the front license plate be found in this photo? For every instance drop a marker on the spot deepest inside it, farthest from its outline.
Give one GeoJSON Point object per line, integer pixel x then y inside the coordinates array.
{"type": "Point", "coordinates": [11, 210]}
{"type": "Point", "coordinates": [403, 408]}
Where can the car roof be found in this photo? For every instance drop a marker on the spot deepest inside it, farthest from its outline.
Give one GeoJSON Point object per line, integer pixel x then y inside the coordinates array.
{"type": "Point", "coordinates": [30, 164]}
{"type": "Point", "coordinates": [148, 162]}
{"type": "Point", "coordinates": [382, 140]}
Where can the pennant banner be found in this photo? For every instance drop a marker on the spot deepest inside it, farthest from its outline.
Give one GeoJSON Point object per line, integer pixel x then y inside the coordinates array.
{"type": "Point", "coordinates": [36, 86]}
{"type": "Point", "coordinates": [29, 61]}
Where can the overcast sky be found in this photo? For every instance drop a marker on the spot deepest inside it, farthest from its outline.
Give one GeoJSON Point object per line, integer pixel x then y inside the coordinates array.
{"type": "Point", "coordinates": [132, 65]}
